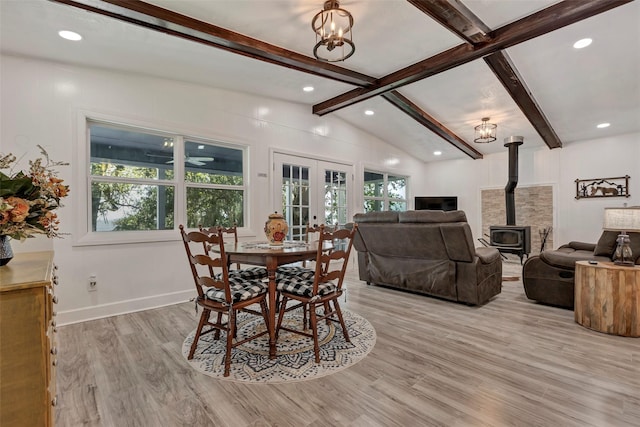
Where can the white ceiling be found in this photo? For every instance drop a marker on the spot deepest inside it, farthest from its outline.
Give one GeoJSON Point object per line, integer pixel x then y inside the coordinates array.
{"type": "Point", "coordinates": [576, 89]}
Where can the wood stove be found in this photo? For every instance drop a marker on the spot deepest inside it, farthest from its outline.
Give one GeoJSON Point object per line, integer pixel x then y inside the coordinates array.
{"type": "Point", "coordinates": [511, 238]}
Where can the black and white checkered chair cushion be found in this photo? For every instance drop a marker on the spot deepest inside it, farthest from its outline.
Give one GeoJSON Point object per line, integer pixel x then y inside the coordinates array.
{"type": "Point", "coordinates": [290, 271]}
{"type": "Point", "coordinates": [303, 286]}
{"type": "Point", "coordinates": [251, 273]}
{"type": "Point", "coordinates": [241, 290]}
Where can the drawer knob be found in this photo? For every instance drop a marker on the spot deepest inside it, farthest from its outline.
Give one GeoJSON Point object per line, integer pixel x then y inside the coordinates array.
{"type": "Point", "coordinates": [54, 402]}
{"type": "Point", "coordinates": [54, 362]}
{"type": "Point", "coordinates": [54, 350]}
{"type": "Point", "coordinates": [55, 299]}
{"type": "Point", "coordinates": [55, 280]}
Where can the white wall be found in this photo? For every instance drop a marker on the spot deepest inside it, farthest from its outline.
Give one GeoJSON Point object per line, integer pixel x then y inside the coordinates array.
{"type": "Point", "coordinates": [580, 219]}
{"type": "Point", "coordinates": [41, 103]}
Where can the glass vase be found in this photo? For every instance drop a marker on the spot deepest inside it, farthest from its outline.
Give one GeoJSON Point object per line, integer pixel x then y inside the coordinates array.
{"type": "Point", "coordinates": [6, 253]}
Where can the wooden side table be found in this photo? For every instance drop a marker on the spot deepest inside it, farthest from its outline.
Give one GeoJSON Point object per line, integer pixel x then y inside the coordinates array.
{"type": "Point", "coordinates": [607, 298]}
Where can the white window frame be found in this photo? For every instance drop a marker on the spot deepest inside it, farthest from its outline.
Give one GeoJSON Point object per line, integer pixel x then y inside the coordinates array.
{"type": "Point", "coordinates": [385, 199]}
{"type": "Point", "coordinates": [84, 236]}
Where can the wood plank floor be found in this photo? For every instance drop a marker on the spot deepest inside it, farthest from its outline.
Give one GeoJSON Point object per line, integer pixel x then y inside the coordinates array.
{"type": "Point", "coordinates": [511, 362]}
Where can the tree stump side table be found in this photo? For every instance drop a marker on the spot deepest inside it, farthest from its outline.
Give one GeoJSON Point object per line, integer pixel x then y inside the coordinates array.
{"type": "Point", "coordinates": [607, 298]}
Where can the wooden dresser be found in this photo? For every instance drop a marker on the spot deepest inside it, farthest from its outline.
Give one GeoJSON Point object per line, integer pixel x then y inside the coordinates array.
{"type": "Point", "coordinates": [28, 340]}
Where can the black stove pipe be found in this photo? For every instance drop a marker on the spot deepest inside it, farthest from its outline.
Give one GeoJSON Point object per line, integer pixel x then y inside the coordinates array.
{"type": "Point", "coordinates": [512, 144]}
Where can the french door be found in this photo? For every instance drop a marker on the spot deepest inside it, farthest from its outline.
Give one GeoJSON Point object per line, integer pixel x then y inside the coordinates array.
{"type": "Point", "coordinates": [311, 191]}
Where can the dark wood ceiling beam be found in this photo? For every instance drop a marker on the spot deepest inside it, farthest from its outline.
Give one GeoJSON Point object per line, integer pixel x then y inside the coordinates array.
{"type": "Point", "coordinates": [539, 23]}
{"type": "Point", "coordinates": [503, 68]}
{"type": "Point", "coordinates": [415, 112]}
{"type": "Point", "coordinates": [461, 21]}
{"type": "Point", "coordinates": [156, 18]}
{"type": "Point", "coordinates": [163, 20]}
{"type": "Point", "coordinates": [456, 17]}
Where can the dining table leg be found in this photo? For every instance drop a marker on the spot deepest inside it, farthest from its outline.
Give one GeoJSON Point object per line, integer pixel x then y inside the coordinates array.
{"type": "Point", "coordinates": [272, 266]}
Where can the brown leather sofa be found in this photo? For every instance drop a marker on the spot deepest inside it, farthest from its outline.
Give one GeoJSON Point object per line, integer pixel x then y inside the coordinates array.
{"type": "Point", "coordinates": [549, 277]}
{"type": "Point", "coordinates": [429, 252]}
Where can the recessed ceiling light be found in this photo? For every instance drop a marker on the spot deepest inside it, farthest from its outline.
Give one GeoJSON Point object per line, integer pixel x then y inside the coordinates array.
{"type": "Point", "coordinates": [582, 43]}
{"type": "Point", "coordinates": [437, 153]}
{"type": "Point", "coordinates": [603, 125]}
{"type": "Point", "coordinates": [369, 112]}
{"type": "Point", "coordinates": [69, 35]}
{"type": "Point", "coordinates": [308, 88]}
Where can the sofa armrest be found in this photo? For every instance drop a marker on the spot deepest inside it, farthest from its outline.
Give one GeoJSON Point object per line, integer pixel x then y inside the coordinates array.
{"type": "Point", "coordinates": [487, 255]}
{"type": "Point", "coordinates": [580, 246]}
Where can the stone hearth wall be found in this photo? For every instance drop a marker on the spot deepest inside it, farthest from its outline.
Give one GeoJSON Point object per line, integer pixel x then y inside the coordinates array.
{"type": "Point", "coordinates": [534, 207]}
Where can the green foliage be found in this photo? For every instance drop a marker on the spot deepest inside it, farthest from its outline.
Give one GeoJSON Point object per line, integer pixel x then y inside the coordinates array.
{"type": "Point", "coordinates": [143, 203]}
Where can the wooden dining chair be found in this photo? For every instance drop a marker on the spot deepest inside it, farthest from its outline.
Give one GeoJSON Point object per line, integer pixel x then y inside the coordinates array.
{"type": "Point", "coordinates": [311, 234]}
{"type": "Point", "coordinates": [246, 273]}
{"type": "Point", "coordinates": [322, 289]}
{"type": "Point", "coordinates": [220, 292]}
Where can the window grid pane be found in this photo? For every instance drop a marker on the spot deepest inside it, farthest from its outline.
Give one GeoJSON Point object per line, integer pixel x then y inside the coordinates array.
{"type": "Point", "coordinates": [133, 180]}
{"type": "Point", "coordinates": [383, 191]}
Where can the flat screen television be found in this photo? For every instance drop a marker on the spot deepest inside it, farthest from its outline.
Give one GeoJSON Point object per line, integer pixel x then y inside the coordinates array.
{"type": "Point", "coordinates": [442, 203]}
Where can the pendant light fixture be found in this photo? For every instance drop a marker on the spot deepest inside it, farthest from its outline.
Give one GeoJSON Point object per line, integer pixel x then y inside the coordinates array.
{"type": "Point", "coordinates": [486, 132]}
{"type": "Point", "coordinates": [333, 27]}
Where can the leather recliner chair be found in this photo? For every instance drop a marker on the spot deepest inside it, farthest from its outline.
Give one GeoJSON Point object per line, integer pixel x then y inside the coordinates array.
{"type": "Point", "coordinates": [549, 277]}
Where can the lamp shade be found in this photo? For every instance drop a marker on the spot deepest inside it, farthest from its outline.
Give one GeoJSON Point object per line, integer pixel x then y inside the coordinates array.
{"type": "Point", "coordinates": [622, 219]}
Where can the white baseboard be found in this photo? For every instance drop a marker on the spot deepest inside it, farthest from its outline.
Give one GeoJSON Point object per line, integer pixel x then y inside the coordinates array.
{"type": "Point", "coordinates": [122, 307]}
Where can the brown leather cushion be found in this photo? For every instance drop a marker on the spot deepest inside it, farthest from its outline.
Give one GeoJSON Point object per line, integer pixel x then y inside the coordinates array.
{"type": "Point", "coordinates": [384, 216]}
{"type": "Point", "coordinates": [567, 257]}
{"type": "Point", "coordinates": [606, 244]}
{"type": "Point", "coordinates": [434, 217]}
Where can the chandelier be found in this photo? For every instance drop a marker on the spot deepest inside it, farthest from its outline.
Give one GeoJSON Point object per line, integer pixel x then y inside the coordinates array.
{"type": "Point", "coordinates": [332, 26]}
{"type": "Point", "coordinates": [486, 132]}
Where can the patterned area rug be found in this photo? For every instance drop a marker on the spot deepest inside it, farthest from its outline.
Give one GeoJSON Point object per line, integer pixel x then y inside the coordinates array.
{"type": "Point", "coordinates": [295, 361]}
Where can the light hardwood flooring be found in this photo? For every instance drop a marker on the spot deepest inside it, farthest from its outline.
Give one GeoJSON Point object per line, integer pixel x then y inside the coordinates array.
{"type": "Point", "coordinates": [511, 362]}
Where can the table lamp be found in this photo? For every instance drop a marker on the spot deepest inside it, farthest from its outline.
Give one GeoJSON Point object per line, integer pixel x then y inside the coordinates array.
{"type": "Point", "coordinates": [622, 220]}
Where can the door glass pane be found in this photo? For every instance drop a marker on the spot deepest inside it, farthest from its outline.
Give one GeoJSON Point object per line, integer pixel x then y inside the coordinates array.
{"type": "Point", "coordinates": [335, 200]}
{"type": "Point", "coordinates": [295, 199]}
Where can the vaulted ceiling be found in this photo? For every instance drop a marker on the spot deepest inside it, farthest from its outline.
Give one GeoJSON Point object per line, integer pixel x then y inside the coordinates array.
{"type": "Point", "coordinates": [430, 70]}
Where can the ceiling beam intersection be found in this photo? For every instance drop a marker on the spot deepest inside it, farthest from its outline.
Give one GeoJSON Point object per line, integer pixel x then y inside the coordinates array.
{"type": "Point", "coordinates": [454, 16]}
{"type": "Point", "coordinates": [550, 19]}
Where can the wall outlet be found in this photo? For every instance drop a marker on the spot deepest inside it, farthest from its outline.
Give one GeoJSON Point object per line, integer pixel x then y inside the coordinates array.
{"type": "Point", "coordinates": [92, 284]}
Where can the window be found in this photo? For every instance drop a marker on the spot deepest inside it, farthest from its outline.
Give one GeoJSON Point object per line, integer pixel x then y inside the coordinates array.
{"type": "Point", "coordinates": [136, 185]}
{"type": "Point", "coordinates": [384, 192]}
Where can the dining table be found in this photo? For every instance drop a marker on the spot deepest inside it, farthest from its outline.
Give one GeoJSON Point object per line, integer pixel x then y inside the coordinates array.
{"type": "Point", "coordinates": [271, 257]}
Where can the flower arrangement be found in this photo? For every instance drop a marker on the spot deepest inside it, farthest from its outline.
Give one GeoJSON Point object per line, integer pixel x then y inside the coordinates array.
{"type": "Point", "coordinates": [28, 200]}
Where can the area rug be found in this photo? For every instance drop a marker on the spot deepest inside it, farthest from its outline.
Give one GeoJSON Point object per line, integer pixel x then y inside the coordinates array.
{"type": "Point", "coordinates": [295, 358]}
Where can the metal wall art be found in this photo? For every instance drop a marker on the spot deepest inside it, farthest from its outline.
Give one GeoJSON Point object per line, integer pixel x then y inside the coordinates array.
{"type": "Point", "coordinates": [602, 187]}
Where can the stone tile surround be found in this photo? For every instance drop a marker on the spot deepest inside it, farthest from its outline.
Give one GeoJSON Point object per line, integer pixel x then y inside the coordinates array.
{"type": "Point", "coordinates": [534, 207]}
